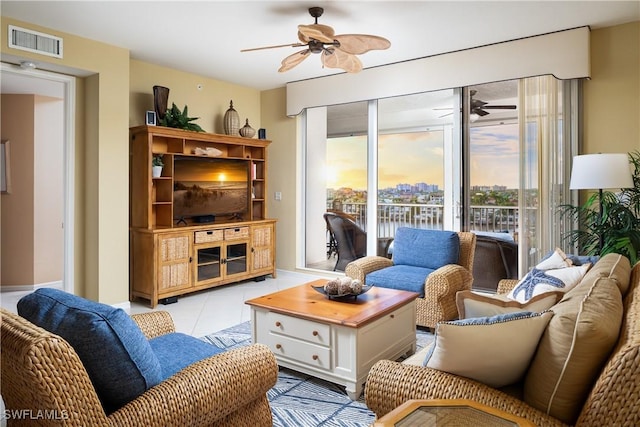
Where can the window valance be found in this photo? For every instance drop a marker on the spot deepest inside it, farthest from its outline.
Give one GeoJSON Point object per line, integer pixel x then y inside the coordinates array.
{"type": "Point", "coordinates": [563, 54]}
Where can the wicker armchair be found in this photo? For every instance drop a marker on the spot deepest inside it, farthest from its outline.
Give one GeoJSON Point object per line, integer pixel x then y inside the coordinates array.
{"type": "Point", "coordinates": [42, 372]}
{"type": "Point", "coordinates": [440, 287]}
{"type": "Point", "coordinates": [612, 400]}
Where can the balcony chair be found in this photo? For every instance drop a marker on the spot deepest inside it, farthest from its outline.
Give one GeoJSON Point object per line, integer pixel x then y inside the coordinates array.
{"type": "Point", "coordinates": [41, 371]}
{"type": "Point", "coordinates": [433, 263]}
{"type": "Point", "coordinates": [496, 258]}
{"type": "Point", "coordinates": [350, 240]}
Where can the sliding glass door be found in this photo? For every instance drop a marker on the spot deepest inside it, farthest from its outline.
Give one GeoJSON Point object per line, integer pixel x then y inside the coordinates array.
{"type": "Point", "coordinates": [382, 165]}
{"type": "Point", "coordinates": [479, 158]}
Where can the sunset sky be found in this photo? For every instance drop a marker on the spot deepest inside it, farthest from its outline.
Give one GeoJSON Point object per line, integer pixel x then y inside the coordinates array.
{"type": "Point", "coordinates": [410, 158]}
{"type": "Point", "coordinates": [206, 169]}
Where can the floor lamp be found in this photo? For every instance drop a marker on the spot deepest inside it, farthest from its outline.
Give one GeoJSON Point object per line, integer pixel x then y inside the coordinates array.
{"type": "Point", "coordinates": [601, 171]}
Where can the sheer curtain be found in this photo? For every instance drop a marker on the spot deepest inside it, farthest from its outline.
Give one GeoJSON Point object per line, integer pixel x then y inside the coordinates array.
{"type": "Point", "coordinates": [548, 128]}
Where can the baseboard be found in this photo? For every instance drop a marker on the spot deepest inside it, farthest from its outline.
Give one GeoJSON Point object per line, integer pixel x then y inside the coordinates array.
{"type": "Point", "coordinates": [30, 288]}
{"type": "Point", "coordinates": [126, 306]}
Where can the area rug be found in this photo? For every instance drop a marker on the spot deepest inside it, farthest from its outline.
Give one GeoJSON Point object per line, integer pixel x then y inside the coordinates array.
{"type": "Point", "coordinates": [300, 400]}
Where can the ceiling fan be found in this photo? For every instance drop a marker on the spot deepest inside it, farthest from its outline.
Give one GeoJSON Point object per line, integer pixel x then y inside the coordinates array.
{"type": "Point", "coordinates": [479, 107]}
{"type": "Point", "coordinates": [336, 51]}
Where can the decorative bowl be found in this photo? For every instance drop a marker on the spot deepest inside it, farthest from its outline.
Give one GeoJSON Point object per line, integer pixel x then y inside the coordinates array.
{"type": "Point", "coordinates": [342, 297]}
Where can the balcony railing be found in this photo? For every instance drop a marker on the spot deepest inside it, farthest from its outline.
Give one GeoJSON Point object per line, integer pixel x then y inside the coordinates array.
{"type": "Point", "coordinates": [393, 215]}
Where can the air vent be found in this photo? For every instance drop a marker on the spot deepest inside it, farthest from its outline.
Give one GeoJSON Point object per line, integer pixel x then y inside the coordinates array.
{"type": "Point", "coordinates": [33, 41]}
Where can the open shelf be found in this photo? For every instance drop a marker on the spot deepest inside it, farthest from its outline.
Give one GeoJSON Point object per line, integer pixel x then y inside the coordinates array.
{"type": "Point", "coordinates": [149, 141]}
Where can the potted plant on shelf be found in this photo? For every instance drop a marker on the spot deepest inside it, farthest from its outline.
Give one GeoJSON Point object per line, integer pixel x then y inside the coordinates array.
{"type": "Point", "coordinates": [174, 118]}
{"type": "Point", "coordinates": [156, 166]}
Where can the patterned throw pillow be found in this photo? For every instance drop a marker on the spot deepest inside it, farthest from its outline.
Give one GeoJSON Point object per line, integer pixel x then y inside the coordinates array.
{"type": "Point", "coordinates": [555, 273]}
{"type": "Point", "coordinates": [472, 304]}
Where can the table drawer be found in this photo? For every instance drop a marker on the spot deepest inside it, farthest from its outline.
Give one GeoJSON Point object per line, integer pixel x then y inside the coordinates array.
{"type": "Point", "coordinates": [236, 233]}
{"type": "Point", "coordinates": [307, 330]}
{"type": "Point", "coordinates": [208, 236]}
{"type": "Point", "coordinates": [299, 351]}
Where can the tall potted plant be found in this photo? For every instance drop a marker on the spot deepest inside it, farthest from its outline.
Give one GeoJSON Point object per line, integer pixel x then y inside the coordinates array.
{"type": "Point", "coordinates": [619, 224]}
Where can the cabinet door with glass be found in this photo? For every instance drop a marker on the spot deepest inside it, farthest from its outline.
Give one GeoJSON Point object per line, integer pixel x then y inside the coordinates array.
{"type": "Point", "coordinates": [208, 265]}
{"type": "Point", "coordinates": [236, 258]}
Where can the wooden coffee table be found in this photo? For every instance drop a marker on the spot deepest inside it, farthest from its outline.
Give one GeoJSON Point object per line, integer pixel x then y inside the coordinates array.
{"type": "Point", "coordinates": [337, 341]}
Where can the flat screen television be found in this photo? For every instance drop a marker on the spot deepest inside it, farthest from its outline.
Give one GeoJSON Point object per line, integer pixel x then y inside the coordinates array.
{"type": "Point", "coordinates": [205, 188]}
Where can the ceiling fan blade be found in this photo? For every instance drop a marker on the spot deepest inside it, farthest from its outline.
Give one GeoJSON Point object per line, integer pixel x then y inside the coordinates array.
{"type": "Point", "coordinates": [479, 112]}
{"type": "Point", "coordinates": [500, 107]}
{"type": "Point", "coordinates": [322, 33]}
{"type": "Point", "coordinates": [358, 44]}
{"type": "Point", "coordinates": [273, 47]}
{"type": "Point", "coordinates": [292, 60]}
{"type": "Point", "coordinates": [336, 58]}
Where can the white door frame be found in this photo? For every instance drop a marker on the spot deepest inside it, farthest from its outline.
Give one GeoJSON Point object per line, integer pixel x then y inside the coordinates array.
{"type": "Point", "coordinates": [69, 89]}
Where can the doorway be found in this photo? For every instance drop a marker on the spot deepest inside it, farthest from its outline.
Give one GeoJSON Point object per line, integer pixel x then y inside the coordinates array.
{"type": "Point", "coordinates": [52, 86]}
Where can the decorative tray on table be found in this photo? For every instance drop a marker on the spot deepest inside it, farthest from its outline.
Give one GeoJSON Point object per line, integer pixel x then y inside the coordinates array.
{"type": "Point", "coordinates": [342, 289]}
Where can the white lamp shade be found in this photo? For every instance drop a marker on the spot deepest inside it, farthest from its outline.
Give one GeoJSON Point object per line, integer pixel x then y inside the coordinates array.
{"type": "Point", "coordinates": [600, 171]}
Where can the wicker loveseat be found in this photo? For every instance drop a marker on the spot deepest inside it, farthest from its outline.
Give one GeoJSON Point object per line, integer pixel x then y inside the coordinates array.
{"type": "Point", "coordinates": [610, 397]}
{"type": "Point", "coordinates": [42, 376]}
{"type": "Point", "coordinates": [437, 286]}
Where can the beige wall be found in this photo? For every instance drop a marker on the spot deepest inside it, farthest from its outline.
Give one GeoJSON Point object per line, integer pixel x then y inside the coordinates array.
{"type": "Point", "coordinates": [48, 193]}
{"type": "Point", "coordinates": [282, 175]}
{"type": "Point", "coordinates": [102, 183]}
{"type": "Point", "coordinates": [18, 124]}
{"type": "Point", "coordinates": [32, 238]}
{"type": "Point", "coordinates": [206, 98]}
{"type": "Point", "coordinates": [612, 95]}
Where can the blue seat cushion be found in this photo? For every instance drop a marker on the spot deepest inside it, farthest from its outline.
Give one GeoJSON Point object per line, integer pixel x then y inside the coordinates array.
{"type": "Point", "coordinates": [176, 351]}
{"type": "Point", "coordinates": [402, 277]}
{"type": "Point", "coordinates": [425, 248]}
{"type": "Point", "coordinates": [117, 356]}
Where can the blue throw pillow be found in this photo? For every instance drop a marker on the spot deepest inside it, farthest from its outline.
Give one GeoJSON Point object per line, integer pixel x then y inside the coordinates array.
{"type": "Point", "coordinates": [191, 350]}
{"type": "Point", "coordinates": [425, 248]}
{"type": "Point", "coordinates": [111, 346]}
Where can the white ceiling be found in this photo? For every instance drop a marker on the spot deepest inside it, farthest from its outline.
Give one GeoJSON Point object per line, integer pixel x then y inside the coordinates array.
{"type": "Point", "coordinates": [205, 37]}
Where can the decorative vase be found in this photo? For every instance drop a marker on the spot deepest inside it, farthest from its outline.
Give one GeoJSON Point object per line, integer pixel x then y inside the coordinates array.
{"type": "Point", "coordinates": [231, 121]}
{"type": "Point", "coordinates": [160, 102]}
{"type": "Point", "coordinates": [156, 171]}
{"type": "Point", "coordinates": [247, 131]}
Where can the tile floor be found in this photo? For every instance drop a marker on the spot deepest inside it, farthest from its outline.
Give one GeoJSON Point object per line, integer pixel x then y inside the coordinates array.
{"type": "Point", "coordinates": [205, 312]}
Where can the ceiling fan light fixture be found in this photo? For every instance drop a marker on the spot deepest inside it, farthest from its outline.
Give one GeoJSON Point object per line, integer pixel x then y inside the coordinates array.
{"type": "Point", "coordinates": [315, 46]}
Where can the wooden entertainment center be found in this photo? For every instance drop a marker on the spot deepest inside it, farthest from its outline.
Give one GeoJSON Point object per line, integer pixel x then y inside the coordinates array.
{"type": "Point", "coordinates": [172, 256]}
